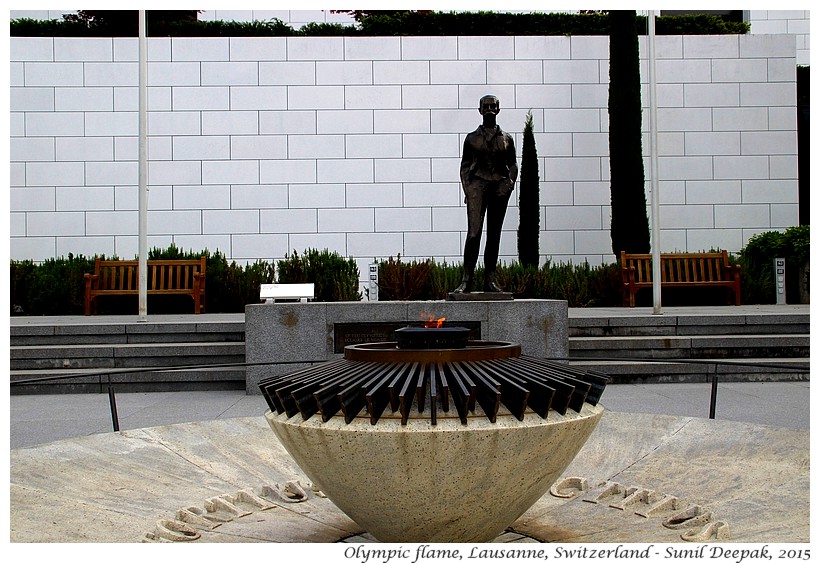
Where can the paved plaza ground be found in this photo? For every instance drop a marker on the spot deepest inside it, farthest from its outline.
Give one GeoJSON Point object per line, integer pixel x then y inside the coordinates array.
{"type": "Point", "coordinates": [39, 419]}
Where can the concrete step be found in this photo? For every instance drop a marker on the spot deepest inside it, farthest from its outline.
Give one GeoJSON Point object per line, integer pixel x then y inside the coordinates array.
{"type": "Point", "coordinates": [689, 325]}
{"type": "Point", "coordinates": [112, 356]}
{"type": "Point", "coordinates": [126, 333]}
{"type": "Point", "coordinates": [694, 346]}
{"type": "Point", "coordinates": [98, 345]}
{"type": "Point", "coordinates": [129, 380]}
{"type": "Point", "coordinates": [667, 371]}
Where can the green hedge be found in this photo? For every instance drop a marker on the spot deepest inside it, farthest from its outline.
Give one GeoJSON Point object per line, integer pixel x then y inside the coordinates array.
{"type": "Point", "coordinates": [502, 23]}
{"type": "Point", "coordinates": [56, 286]}
{"type": "Point", "coordinates": [757, 261]}
{"type": "Point", "coordinates": [334, 278]}
{"type": "Point", "coordinates": [407, 23]}
{"type": "Point", "coordinates": [580, 285]}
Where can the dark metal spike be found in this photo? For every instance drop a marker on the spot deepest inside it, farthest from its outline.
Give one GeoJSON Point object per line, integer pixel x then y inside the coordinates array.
{"type": "Point", "coordinates": [406, 393]}
{"type": "Point", "coordinates": [458, 391]}
{"type": "Point", "coordinates": [513, 395]}
{"type": "Point", "coordinates": [488, 391]}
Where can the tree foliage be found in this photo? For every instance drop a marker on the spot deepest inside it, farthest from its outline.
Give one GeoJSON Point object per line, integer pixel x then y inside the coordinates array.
{"type": "Point", "coordinates": [183, 23]}
{"type": "Point", "coordinates": [630, 226]}
{"type": "Point", "coordinates": [529, 208]}
{"type": "Point", "coordinates": [126, 22]}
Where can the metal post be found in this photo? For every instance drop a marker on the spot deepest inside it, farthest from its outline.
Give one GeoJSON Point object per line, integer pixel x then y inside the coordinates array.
{"type": "Point", "coordinates": [143, 171]}
{"type": "Point", "coordinates": [713, 402]}
{"type": "Point", "coordinates": [653, 144]}
{"type": "Point", "coordinates": [112, 401]}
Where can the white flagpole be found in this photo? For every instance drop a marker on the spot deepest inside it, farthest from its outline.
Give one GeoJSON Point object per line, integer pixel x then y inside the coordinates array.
{"type": "Point", "coordinates": [653, 148]}
{"type": "Point", "coordinates": [143, 170]}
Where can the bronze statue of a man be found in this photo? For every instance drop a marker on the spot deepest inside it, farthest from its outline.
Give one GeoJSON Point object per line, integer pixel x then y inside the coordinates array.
{"type": "Point", "coordinates": [488, 173]}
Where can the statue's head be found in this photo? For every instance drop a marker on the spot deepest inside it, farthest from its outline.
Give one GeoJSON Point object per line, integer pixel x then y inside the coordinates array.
{"type": "Point", "coordinates": [489, 104]}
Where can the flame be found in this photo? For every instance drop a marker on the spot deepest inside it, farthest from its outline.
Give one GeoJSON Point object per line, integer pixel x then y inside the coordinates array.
{"type": "Point", "coordinates": [430, 321]}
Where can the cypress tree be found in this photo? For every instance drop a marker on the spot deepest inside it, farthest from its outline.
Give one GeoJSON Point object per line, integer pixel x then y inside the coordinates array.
{"type": "Point", "coordinates": [529, 209]}
{"type": "Point", "coordinates": [630, 226]}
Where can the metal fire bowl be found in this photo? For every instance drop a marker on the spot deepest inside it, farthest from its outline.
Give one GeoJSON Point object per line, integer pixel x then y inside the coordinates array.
{"type": "Point", "coordinates": [491, 431]}
{"type": "Point", "coordinates": [475, 350]}
{"type": "Point", "coordinates": [382, 378]}
{"type": "Point", "coordinates": [432, 337]}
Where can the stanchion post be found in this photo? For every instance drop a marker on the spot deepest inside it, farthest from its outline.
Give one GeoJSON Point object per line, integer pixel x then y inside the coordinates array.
{"type": "Point", "coordinates": [112, 401]}
{"type": "Point", "coordinates": [713, 402]}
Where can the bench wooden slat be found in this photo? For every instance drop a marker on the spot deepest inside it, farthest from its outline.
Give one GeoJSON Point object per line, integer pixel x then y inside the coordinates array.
{"type": "Point", "coordinates": [167, 277]}
{"type": "Point", "coordinates": [706, 269]}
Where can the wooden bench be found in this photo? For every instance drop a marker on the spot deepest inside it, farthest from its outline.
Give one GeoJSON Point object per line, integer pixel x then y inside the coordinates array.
{"type": "Point", "coordinates": [707, 269]}
{"type": "Point", "coordinates": [165, 277]}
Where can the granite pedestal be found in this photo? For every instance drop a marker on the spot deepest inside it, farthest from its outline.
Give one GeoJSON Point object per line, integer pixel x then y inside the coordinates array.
{"type": "Point", "coordinates": [290, 336]}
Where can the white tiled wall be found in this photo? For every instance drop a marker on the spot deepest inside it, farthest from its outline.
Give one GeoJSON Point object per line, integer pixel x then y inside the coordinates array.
{"type": "Point", "coordinates": [262, 146]}
{"type": "Point", "coordinates": [792, 22]}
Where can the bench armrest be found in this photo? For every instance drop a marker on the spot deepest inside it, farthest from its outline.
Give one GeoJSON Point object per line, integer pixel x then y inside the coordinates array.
{"type": "Point", "coordinates": [89, 281]}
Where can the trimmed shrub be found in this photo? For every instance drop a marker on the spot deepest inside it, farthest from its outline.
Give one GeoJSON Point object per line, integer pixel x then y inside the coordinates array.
{"type": "Point", "coordinates": [529, 207]}
{"type": "Point", "coordinates": [373, 23]}
{"type": "Point", "coordinates": [580, 285]}
{"type": "Point", "coordinates": [401, 281]}
{"type": "Point", "coordinates": [630, 224]}
{"type": "Point", "coordinates": [445, 277]}
{"type": "Point", "coordinates": [335, 278]}
{"type": "Point", "coordinates": [757, 264]}
{"type": "Point", "coordinates": [55, 287]}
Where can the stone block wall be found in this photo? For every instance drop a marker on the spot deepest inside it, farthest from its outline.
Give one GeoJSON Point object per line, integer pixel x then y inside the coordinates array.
{"type": "Point", "coordinates": [262, 146]}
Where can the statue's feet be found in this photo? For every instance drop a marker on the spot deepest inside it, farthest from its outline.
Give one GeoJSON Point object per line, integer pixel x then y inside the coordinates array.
{"type": "Point", "coordinates": [491, 287]}
{"type": "Point", "coordinates": [463, 287]}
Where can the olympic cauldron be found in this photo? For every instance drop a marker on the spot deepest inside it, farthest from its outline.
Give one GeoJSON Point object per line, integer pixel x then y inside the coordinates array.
{"type": "Point", "coordinates": [491, 431]}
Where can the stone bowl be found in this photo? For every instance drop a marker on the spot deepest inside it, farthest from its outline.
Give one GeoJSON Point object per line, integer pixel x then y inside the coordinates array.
{"type": "Point", "coordinates": [447, 482]}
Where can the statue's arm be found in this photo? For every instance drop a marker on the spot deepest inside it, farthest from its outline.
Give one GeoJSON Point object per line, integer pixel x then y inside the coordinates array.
{"type": "Point", "coordinates": [466, 162]}
{"type": "Point", "coordinates": [512, 165]}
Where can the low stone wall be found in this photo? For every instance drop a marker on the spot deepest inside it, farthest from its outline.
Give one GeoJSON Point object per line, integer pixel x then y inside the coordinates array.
{"type": "Point", "coordinates": [311, 332]}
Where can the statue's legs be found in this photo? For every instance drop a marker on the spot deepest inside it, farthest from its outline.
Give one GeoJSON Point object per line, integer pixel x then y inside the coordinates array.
{"type": "Point", "coordinates": [476, 210]}
{"type": "Point", "coordinates": [496, 210]}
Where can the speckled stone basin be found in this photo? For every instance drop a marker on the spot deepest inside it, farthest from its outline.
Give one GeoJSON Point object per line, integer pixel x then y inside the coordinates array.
{"type": "Point", "coordinates": [447, 482]}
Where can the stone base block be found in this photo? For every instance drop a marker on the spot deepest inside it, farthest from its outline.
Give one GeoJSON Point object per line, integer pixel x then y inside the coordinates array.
{"type": "Point", "coordinates": [288, 336]}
